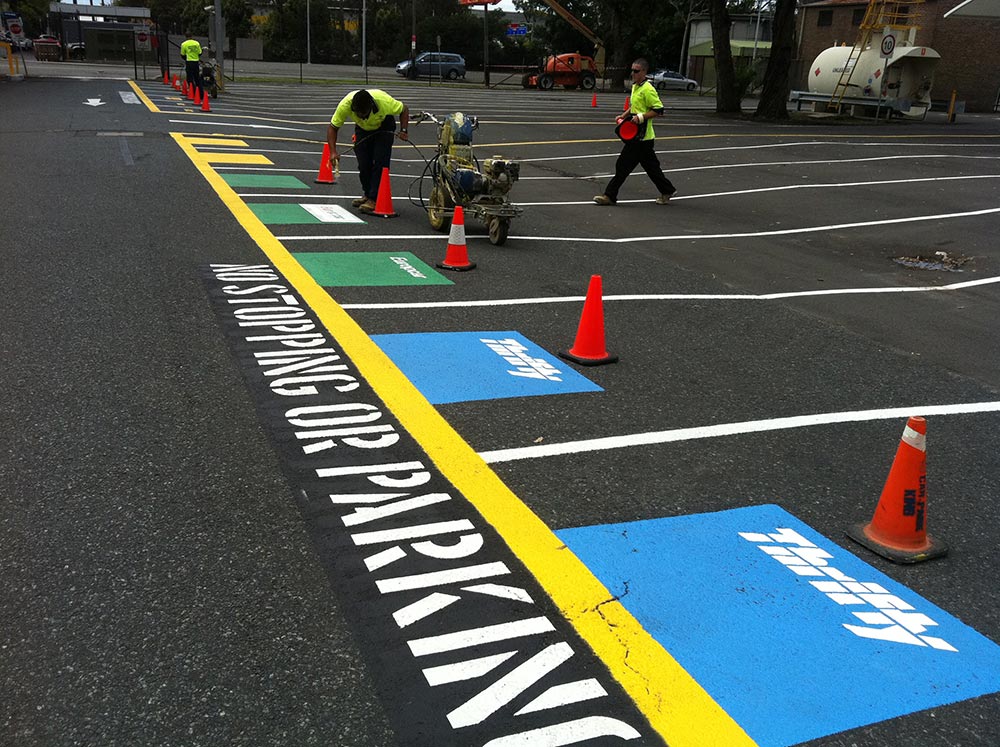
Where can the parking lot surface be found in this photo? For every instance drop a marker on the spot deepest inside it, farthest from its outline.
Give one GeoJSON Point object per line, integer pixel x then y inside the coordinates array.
{"type": "Point", "coordinates": [275, 477]}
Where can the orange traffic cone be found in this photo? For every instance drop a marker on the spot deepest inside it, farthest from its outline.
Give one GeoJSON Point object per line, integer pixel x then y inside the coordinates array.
{"type": "Point", "coordinates": [593, 101]}
{"type": "Point", "coordinates": [628, 103]}
{"type": "Point", "coordinates": [457, 256]}
{"type": "Point", "coordinates": [166, 78]}
{"type": "Point", "coordinates": [898, 530]}
{"type": "Point", "coordinates": [177, 83]}
{"type": "Point", "coordinates": [205, 107]}
{"type": "Point", "coordinates": [383, 204]}
{"type": "Point", "coordinates": [184, 88]}
{"type": "Point", "coordinates": [325, 175]}
{"type": "Point", "coordinates": [589, 348]}
{"type": "Point", "coordinates": [197, 96]}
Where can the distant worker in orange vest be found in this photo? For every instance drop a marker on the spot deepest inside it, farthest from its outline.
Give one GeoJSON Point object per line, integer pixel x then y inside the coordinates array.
{"type": "Point", "coordinates": [191, 52]}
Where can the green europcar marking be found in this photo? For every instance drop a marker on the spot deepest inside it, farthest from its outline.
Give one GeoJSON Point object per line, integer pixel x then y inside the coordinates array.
{"type": "Point", "coordinates": [263, 180]}
{"type": "Point", "coordinates": [348, 269]}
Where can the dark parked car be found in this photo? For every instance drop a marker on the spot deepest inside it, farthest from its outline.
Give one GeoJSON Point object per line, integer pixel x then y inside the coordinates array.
{"type": "Point", "coordinates": [435, 65]}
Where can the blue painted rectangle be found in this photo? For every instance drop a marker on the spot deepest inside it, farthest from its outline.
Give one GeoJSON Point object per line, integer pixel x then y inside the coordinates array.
{"type": "Point", "coordinates": [464, 366]}
{"type": "Point", "coordinates": [795, 637]}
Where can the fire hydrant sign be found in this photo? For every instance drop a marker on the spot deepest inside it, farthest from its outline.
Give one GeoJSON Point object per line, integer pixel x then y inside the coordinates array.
{"type": "Point", "coordinates": [794, 636]}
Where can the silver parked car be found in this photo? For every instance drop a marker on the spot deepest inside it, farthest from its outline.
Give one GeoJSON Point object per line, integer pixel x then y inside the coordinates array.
{"type": "Point", "coordinates": [667, 80]}
{"type": "Point", "coordinates": [434, 64]}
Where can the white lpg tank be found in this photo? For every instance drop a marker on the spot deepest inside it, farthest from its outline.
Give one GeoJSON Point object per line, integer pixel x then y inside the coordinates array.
{"type": "Point", "coordinates": [903, 80]}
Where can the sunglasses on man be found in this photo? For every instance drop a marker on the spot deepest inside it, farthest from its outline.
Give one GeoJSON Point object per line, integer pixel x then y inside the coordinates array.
{"type": "Point", "coordinates": [636, 70]}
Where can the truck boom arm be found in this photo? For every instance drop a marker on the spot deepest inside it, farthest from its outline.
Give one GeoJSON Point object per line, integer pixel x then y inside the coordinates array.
{"type": "Point", "coordinates": [582, 28]}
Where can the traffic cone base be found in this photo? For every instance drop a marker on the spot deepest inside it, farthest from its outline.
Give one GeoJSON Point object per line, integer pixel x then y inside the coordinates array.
{"type": "Point", "coordinates": [898, 529]}
{"type": "Point", "coordinates": [863, 535]}
{"type": "Point", "coordinates": [457, 256]}
{"type": "Point", "coordinates": [325, 175]}
{"type": "Point", "coordinates": [383, 204]}
{"type": "Point", "coordinates": [589, 348]}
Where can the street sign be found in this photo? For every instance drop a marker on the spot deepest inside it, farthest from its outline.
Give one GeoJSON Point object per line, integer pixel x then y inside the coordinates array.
{"type": "Point", "coordinates": [888, 44]}
{"type": "Point", "coordinates": [517, 29]}
{"type": "Point", "coordinates": [142, 41]}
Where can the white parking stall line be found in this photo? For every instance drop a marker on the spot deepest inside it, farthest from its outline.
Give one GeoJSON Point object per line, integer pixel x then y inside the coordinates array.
{"type": "Point", "coordinates": [676, 296]}
{"type": "Point", "coordinates": [674, 237]}
{"type": "Point", "coordinates": [731, 429]}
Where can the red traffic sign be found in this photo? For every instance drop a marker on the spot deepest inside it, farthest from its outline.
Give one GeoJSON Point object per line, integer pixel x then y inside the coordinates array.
{"type": "Point", "coordinates": [888, 45]}
{"type": "Point", "coordinates": [15, 28]}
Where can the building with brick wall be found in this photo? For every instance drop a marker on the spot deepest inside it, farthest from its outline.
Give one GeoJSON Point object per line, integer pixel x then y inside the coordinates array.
{"type": "Point", "coordinates": [969, 47]}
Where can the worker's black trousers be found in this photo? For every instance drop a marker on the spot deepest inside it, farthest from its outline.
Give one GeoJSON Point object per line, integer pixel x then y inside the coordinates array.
{"type": "Point", "coordinates": [374, 151]}
{"type": "Point", "coordinates": [192, 69]}
{"type": "Point", "coordinates": [635, 153]}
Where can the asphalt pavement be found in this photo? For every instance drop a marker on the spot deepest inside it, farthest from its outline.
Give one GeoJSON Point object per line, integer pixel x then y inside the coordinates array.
{"type": "Point", "coordinates": [180, 569]}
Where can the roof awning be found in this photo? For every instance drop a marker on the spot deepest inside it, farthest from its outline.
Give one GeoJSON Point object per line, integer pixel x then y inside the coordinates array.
{"type": "Point", "coordinates": [976, 9]}
{"type": "Point", "coordinates": [739, 47]}
{"type": "Point", "coordinates": [919, 52]}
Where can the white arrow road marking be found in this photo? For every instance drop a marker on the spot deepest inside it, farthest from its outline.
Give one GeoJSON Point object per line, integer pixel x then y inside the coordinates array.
{"type": "Point", "coordinates": [93, 102]}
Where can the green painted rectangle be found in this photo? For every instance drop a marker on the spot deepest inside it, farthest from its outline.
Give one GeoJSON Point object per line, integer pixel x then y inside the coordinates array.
{"type": "Point", "coordinates": [298, 213]}
{"type": "Point", "coordinates": [263, 180]}
{"type": "Point", "coordinates": [274, 213]}
{"type": "Point", "coordinates": [347, 269]}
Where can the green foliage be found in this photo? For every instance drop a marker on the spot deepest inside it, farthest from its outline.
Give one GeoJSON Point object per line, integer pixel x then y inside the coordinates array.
{"type": "Point", "coordinates": [33, 14]}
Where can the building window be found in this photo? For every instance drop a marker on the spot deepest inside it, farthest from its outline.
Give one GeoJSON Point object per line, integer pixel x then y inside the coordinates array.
{"type": "Point", "coordinates": [825, 18]}
{"type": "Point", "coordinates": [858, 16]}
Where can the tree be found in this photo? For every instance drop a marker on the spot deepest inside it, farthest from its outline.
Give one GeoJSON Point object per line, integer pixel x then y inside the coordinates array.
{"type": "Point", "coordinates": [773, 102]}
{"type": "Point", "coordinates": [727, 97]}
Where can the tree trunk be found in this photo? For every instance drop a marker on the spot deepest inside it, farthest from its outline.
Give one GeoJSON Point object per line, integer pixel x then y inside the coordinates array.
{"type": "Point", "coordinates": [727, 98]}
{"type": "Point", "coordinates": [773, 102]}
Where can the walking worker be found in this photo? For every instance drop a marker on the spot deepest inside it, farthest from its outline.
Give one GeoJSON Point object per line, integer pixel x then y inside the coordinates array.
{"type": "Point", "coordinates": [645, 105]}
{"type": "Point", "coordinates": [374, 113]}
{"type": "Point", "coordinates": [191, 52]}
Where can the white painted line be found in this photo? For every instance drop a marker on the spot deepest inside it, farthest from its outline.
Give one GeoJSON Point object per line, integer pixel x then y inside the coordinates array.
{"type": "Point", "coordinates": [216, 123]}
{"type": "Point", "coordinates": [673, 296]}
{"type": "Point", "coordinates": [731, 429]}
{"type": "Point", "coordinates": [441, 578]}
{"type": "Point", "coordinates": [440, 644]}
{"type": "Point", "coordinates": [818, 185]}
{"type": "Point", "coordinates": [465, 670]}
{"type": "Point", "coordinates": [676, 237]}
{"type": "Point", "coordinates": [422, 608]}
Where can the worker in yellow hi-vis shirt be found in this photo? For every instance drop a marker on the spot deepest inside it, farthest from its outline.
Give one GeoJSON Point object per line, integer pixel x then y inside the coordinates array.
{"type": "Point", "coordinates": [191, 52]}
{"type": "Point", "coordinates": [644, 105]}
{"type": "Point", "coordinates": [374, 113]}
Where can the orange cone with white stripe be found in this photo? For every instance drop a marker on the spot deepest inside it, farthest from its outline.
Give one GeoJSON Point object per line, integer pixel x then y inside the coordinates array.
{"type": "Point", "coordinates": [176, 84]}
{"type": "Point", "coordinates": [898, 530]}
{"type": "Point", "coordinates": [205, 106]}
{"type": "Point", "coordinates": [590, 348]}
{"type": "Point", "coordinates": [457, 256]}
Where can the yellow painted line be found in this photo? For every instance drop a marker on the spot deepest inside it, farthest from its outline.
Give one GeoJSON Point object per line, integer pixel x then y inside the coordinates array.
{"type": "Point", "coordinates": [255, 159]}
{"type": "Point", "coordinates": [144, 98]}
{"type": "Point", "coordinates": [678, 707]}
{"type": "Point", "coordinates": [218, 141]}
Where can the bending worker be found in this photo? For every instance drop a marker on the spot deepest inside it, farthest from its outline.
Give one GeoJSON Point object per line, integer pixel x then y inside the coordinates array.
{"type": "Point", "coordinates": [373, 112]}
{"type": "Point", "coordinates": [191, 52]}
{"type": "Point", "coordinates": [645, 105]}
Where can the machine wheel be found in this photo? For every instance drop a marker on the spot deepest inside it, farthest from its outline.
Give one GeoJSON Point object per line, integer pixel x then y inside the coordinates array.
{"type": "Point", "coordinates": [498, 230]}
{"type": "Point", "coordinates": [588, 82]}
{"type": "Point", "coordinates": [526, 80]}
{"type": "Point", "coordinates": [690, 86]}
{"type": "Point", "coordinates": [437, 206]}
{"type": "Point", "coordinates": [546, 81]}
{"type": "Point", "coordinates": [453, 74]}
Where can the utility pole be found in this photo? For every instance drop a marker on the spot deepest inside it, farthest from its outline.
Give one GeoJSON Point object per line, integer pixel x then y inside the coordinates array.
{"type": "Point", "coordinates": [309, 57]}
